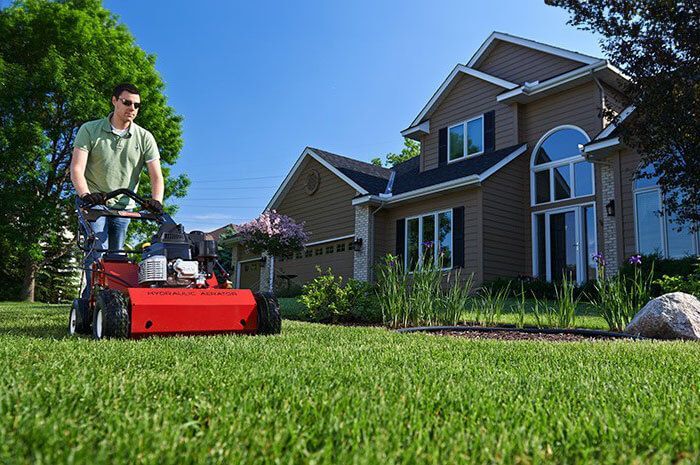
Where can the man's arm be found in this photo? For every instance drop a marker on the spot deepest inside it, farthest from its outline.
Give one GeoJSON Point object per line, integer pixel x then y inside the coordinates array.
{"type": "Point", "coordinates": [157, 184]}
{"type": "Point", "coordinates": [77, 171]}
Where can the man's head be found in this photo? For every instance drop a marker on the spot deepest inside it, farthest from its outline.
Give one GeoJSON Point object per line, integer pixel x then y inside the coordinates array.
{"type": "Point", "coordinates": [126, 100]}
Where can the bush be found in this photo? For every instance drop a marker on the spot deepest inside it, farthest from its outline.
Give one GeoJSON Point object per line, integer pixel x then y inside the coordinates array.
{"type": "Point", "coordinates": [329, 301]}
{"type": "Point", "coordinates": [690, 284]}
{"type": "Point", "coordinates": [681, 268]}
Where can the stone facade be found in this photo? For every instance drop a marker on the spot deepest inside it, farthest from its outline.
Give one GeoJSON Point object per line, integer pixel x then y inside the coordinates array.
{"type": "Point", "coordinates": [364, 229]}
{"type": "Point", "coordinates": [607, 176]}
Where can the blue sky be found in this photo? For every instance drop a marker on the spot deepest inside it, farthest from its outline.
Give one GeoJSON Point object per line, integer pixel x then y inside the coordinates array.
{"type": "Point", "coordinates": [256, 82]}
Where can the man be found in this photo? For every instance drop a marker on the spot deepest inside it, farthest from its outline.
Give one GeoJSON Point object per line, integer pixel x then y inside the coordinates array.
{"type": "Point", "coordinates": [109, 154]}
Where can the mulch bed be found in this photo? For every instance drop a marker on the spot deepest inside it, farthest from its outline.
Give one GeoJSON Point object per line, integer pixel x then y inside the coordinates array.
{"type": "Point", "coordinates": [507, 335]}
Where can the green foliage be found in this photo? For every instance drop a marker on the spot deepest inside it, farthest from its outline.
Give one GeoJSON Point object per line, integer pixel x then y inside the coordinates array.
{"type": "Point", "coordinates": [411, 149]}
{"type": "Point", "coordinates": [340, 395]}
{"type": "Point", "coordinates": [657, 267]}
{"type": "Point", "coordinates": [224, 251]}
{"type": "Point", "coordinates": [655, 44]}
{"type": "Point", "coordinates": [329, 301]}
{"type": "Point", "coordinates": [540, 288]}
{"type": "Point", "coordinates": [566, 302]}
{"type": "Point", "coordinates": [419, 298]}
{"type": "Point", "coordinates": [489, 305]}
{"type": "Point", "coordinates": [59, 62]}
{"type": "Point", "coordinates": [690, 283]}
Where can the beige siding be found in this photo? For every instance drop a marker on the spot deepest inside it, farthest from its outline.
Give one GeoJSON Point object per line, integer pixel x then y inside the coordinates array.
{"type": "Point", "coordinates": [328, 213]}
{"type": "Point", "coordinates": [626, 166]}
{"type": "Point", "coordinates": [579, 106]}
{"type": "Point", "coordinates": [470, 199]}
{"type": "Point", "coordinates": [520, 64]}
{"type": "Point", "coordinates": [468, 98]}
{"type": "Point", "coordinates": [340, 262]}
{"type": "Point", "coordinates": [505, 202]}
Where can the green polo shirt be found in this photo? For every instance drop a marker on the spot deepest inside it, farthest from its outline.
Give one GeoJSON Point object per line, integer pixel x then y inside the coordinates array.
{"type": "Point", "coordinates": [115, 162]}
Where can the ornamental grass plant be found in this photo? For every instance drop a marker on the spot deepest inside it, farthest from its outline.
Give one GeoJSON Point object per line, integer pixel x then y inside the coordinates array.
{"type": "Point", "coordinates": [421, 297]}
{"type": "Point", "coordinates": [620, 298]}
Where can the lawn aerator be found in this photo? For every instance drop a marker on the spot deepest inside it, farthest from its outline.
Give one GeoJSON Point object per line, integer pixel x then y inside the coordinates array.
{"type": "Point", "coordinates": [178, 286]}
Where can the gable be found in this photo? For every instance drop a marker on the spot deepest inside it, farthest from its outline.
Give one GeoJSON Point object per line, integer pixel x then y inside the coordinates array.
{"type": "Point", "coordinates": [520, 64]}
{"type": "Point", "coordinates": [327, 211]}
{"type": "Point", "coordinates": [469, 97]}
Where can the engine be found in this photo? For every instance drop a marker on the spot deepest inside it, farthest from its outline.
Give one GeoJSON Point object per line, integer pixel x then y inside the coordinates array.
{"type": "Point", "coordinates": [178, 259]}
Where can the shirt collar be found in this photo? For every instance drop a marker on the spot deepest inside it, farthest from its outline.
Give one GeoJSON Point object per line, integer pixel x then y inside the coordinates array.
{"type": "Point", "coordinates": [107, 126]}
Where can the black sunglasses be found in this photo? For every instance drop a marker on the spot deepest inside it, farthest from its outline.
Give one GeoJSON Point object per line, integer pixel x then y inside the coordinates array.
{"type": "Point", "coordinates": [128, 103]}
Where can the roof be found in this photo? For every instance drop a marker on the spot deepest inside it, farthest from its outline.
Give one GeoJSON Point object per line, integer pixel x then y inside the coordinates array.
{"type": "Point", "coordinates": [216, 234]}
{"type": "Point", "coordinates": [606, 139]}
{"type": "Point", "coordinates": [490, 42]}
{"type": "Point", "coordinates": [410, 178]}
{"type": "Point", "coordinates": [447, 85]}
{"type": "Point", "coordinates": [371, 177]}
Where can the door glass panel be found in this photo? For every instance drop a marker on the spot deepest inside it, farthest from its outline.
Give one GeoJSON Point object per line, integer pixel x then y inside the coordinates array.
{"type": "Point", "coordinates": [583, 175]}
{"type": "Point", "coordinates": [412, 244]}
{"type": "Point", "coordinates": [542, 186]}
{"type": "Point", "coordinates": [428, 240]}
{"type": "Point", "coordinates": [445, 238]}
{"type": "Point", "coordinates": [589, 240]}
{"type": "Point", "coordinates": [540, 232]}
{"type": "Point", "coordinates": [562, 183]}
{"type": "Point", "coordinates": [562, 237]}
{"type": "Point", "coordinates": [648, 223]}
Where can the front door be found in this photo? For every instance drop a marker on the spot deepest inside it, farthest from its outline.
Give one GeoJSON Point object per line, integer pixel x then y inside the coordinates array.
{"type": "Point", "coordinates": [564, 243]}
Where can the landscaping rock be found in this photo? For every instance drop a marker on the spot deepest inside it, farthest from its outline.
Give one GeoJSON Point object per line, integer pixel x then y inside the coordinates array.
{"type": "Point", "coordinates": [671, 316]}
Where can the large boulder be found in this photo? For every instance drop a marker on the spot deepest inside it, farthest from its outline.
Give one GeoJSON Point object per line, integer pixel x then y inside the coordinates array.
{"type": "Point", "coordinates": [671, 316]}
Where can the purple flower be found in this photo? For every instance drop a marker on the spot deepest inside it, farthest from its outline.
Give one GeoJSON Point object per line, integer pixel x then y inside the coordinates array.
{"type": "Point", "coordinates": [599, 259]}
{"type": "Point", "coordinates": [635, 260]}
{"type": "Point", "coordinates": [428, 243]}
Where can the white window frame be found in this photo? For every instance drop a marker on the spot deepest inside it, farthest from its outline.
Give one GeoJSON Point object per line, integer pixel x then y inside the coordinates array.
{"type": "Point", "coordinates": [436, 215]}
{"type": "Point", "coordinates": [581, 258]}
{"type": "Point", "coordinates": [663, 222]}
{"type": "Point", "coordinates": [466, 139]}
{"type": "Point", "coordinates": [551, 167]}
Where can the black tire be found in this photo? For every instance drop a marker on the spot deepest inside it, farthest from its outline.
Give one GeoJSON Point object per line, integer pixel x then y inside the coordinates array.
{"type": "Point", "coordinates": [269, 317]}
{"type": "Point", "coordinates": [111, 316]}
{"type": "Point", "coordinates": [80, 319]}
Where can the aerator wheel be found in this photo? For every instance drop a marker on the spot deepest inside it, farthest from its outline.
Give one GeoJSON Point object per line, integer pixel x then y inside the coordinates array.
{"type": "Point", "coordinates": [269, 317]}
{"type": "Point", "coordinates": [111, 316]}
{"type": "Point", "coordinates": [80, 318]}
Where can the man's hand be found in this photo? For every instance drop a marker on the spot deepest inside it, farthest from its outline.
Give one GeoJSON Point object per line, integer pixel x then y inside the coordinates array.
{"type": "Point", "coordinates": [154, 206]}
{"type": "Point", "coordinates": [92, 199]}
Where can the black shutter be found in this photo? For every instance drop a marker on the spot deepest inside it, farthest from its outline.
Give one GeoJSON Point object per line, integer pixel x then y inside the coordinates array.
{"type": "Point", "coordinates": [490, 131]}
{"type": "Point", "coordinates": [458, 235]}
{"type": "Point", "coordinates": [400, 237]}
{"type": "Point", "coordinates": [442, 146]}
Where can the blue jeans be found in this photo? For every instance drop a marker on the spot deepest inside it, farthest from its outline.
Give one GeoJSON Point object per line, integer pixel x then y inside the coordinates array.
{"type": "Point", "coordinates": [110, 233]}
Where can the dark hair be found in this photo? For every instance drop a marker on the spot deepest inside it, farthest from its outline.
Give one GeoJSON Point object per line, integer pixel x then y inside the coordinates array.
{"type": "Point", "coordinates": [125, 87]}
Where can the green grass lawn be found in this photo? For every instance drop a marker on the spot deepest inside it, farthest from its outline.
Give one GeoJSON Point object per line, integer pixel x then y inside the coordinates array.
{"type": "Point", "coordinates": [339, 395]}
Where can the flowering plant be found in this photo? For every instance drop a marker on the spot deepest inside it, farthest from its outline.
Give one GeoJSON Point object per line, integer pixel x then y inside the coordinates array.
{"type": "Point", "coordinates": [274, 233]}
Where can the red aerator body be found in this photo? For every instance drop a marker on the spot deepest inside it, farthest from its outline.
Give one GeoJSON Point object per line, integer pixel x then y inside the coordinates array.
{"type": "Point", "coordinates": [173, 289]}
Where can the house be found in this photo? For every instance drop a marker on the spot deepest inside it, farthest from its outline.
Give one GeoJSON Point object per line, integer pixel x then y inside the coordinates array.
{"type": "Point", "coordinates": [519, 174]}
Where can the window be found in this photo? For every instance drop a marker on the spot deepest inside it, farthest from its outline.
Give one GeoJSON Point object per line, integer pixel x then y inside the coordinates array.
{"type": "Point", "coordinates": [429, 237]}
{"type": "Point", "coordinates": [473, 144]}
{"type": "Point", "coordinates": [658, 232]}
{"type": "Point", "coordinates": [340, 248]}
{"type": "Point", "coordinates": [559, 172]}
{"type": "Point", "coordinates": [330, 249]}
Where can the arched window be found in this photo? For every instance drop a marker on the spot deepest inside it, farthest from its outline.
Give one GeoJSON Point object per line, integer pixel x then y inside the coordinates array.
{"type": "Point", "coordinates": [558, 171]}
